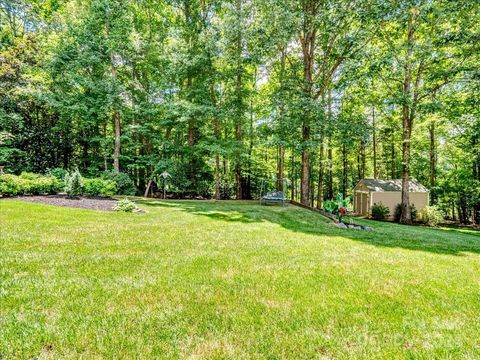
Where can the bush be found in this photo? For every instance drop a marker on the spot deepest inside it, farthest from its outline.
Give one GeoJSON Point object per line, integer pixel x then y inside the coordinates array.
{"type": "Point", "coordinates": [59, 173]}
{"type": "Point", "coordinates": [125, 185]}
{"type": "Point", "coordinates": [398, 212]}
{"type": "Point", "coordinates": [126, 205]}
{"type": "Point", "coordinates": [73, 183]}
{"type": "Point", "coordinates": [430, 216]}
{"type": "Point", "coordinates": [29, 184]}
{"type": "Point", "coordinates": [380, 211]}
{"type": "Point", "coordinates": [99, 187]}
{"type": "Point", "coordinates": [10, 185]}
{"type": "Point", "coordinates": [330, 206]}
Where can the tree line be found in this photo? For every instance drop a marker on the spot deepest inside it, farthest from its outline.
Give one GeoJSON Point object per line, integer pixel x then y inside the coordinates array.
{"type": "Point", "coordinates": [236, 97]}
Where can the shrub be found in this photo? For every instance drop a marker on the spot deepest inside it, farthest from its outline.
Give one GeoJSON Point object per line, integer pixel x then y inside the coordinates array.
{"type": "Point", "coordinates": [338, 206]}
{"type": "Point", "coordinates": [430, 215]}
{"type": "Point", "coordinates": [28, 184]}
{"type": "Point", "coordinates": [59, 173]}
{"type": "Point", "coordinates": [125, 185]}
{"type": "Point", "coordinates": [398, 212]}
{"type": "Point", "coordinates": [99, 187]}
{"type": "Point", "coordinates": [73, 183]}
{"type": "Point", "coordinates": [126, 205]}
{"type": "Point", "coordinates": [10, 185]}
{"type": "Point", "coordinates": [330, 206]}
{"type": "Point", "coordinates": [380, 211]}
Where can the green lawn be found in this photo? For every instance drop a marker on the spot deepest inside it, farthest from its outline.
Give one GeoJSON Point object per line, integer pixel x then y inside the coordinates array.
{"type": "Point", "coordinates": [231, 280]}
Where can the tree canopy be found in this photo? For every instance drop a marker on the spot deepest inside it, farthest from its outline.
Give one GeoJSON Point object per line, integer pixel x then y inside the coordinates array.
{"type": "Point", "coordinates": [237, 97]}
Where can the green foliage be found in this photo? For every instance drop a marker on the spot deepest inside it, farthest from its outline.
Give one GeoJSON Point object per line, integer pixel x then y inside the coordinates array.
{"type": "Point", "coordinates": [124, 185]}
{"type": "Point", "coordinates": [430, 215]}
{"type": "Point", "coordinates": [380, 211]}
{"type": "Point", "coordinates": [335, 206]}
{"type": "Point", "coordinates": [99, 187]}
{"type": "Point", "coordinates": [214, 92]}
{"type": "Point", "coordinates": [28, 184]}
{"type": "Point", "coordinates": [59, 173]}
{"type": "Point", "coordinates": [74, 183]}
{"type": "Point", "coordinates": [330, 206]}
{"type": "Point", "coordinates": [125, 205]}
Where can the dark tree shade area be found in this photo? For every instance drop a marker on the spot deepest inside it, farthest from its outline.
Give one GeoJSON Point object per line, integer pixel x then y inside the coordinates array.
{"type": "Point", "coordinates": [236, 97]}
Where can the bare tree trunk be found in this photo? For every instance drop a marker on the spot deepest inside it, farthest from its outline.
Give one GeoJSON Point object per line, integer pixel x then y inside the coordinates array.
{"type": "Point", "coordinates": [239, 117]}
{"type": "Point", "coordinates": [281, 148]}
{"type": "Point", "coordinates": [116, 151]}
{"type": "Point", "coordinates": [308, 51]}
{"type": "Point", "coordinates": [433, 162]}
{"type": "Point", "coordinates": [375, 170]}
{"type": "Point", "coordinates": [393, 170]}
{"type": "Point", "coordinates": [407, 122]}
{"type": "Point", "coordinates": [217, 177]}
{"type": "Point", "coordinates": [116, 117]}
{"type": "Point", "coordinates": [330, 172]}
{"type": "Point", "coordinates": [293, 175]}
{"type": "Point", "coordinates": [320, 175]}
{"type": "Point", "coordinates": [280, 166]}
{"type": "Point", "coordinates": [344, 172]}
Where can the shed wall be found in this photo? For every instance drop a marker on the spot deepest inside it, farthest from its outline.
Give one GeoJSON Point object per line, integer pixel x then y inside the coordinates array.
{"type": "Point", "coordinates": [392, 198]}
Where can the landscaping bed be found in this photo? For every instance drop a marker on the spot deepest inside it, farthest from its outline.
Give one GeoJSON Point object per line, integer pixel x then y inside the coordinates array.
{"type": "Point", "coordinates": [82, 202]}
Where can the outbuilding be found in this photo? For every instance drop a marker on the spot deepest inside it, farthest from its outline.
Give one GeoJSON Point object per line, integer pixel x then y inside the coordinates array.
{"type": "Point", "coordinates": [368, 192]}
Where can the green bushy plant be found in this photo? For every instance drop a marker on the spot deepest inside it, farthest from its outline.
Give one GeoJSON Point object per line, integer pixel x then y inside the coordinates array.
{"type": "Point", "coordinates": [28, 184]}
{"type": "Point", "coordinates": [99, 187]}
{"type": "Point", "coordinates": [74, 183]}
{"type": "Point", "coordinates": [330, 206]}
{"type": "Point", "coordinates": [126, 205]}
{"type": "Point", "coordinates": [337, 207]}
{"type": "Point", "coordinates": [125, 185]}
{"type": "Point", "coordinates": [430, 215]}
{"type": "Point", "coordinates": [398, 212]}
{"type": "Point", "coordinates": [59, 173]}
{"type": "Point", "coordinates": [10, 185]}
{"type": "Point", "coordinates": [380, 211]}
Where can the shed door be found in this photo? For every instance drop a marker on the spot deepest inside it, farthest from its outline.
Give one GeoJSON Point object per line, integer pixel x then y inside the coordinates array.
{"type": "Point", "coordinates": [364, 202]}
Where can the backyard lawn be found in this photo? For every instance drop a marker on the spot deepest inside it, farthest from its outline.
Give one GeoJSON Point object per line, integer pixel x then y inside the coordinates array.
{"type": "Point", "coordinates": [203, 280]}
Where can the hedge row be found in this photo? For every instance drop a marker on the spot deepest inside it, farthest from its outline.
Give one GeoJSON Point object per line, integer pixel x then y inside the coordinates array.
{"type": "Point", "coordinates": [29, 184]}
{"type": "Point", "coordinates": [34, 184]}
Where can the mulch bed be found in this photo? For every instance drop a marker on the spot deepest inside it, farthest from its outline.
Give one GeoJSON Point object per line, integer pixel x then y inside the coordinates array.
{"type": "Point", "coordinates": [83, 202]}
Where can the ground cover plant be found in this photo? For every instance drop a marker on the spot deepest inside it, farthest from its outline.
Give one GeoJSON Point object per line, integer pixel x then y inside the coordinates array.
{"type": "Point", "coordinates": [216, 280]}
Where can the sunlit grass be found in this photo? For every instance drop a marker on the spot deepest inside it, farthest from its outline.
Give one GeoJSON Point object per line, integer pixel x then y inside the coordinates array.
{"type": "Point", "coordinates": [231, 280]}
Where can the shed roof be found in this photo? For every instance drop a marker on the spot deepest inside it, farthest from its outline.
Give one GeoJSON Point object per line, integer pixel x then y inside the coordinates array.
{"type": "Point", "coordinates": [392, 185]}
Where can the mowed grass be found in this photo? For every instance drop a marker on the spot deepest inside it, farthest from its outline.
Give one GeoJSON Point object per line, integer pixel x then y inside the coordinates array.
{"type": "Point", "coordinates": [231, 280]}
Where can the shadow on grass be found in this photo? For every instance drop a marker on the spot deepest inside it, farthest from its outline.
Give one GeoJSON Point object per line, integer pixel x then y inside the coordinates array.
{"type": "Point", "coordinates": [441, 241]}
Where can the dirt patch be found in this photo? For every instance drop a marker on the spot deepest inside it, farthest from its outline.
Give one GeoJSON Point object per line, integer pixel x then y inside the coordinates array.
{"type": "Point", "coordinates": [94, 203]}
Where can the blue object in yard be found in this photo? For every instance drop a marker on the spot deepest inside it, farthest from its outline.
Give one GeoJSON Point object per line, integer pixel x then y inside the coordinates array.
{"type": "Point", "coordinates": [276, 197]}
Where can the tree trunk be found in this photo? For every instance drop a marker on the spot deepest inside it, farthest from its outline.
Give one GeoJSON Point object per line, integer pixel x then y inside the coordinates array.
{"type": "Point", "coordinates": [308, 51]}
{"type": "Point", "coordinates": [280, 166]}
{"type": "Point", "coordinates": [433, 162]}
{"type": "Point", "coordinates": [344, 171]}
{"type": "Point", "coordinates": [375, 171]}
{"type": "Point", "coordinates": [393, 170]}
{"type": "Point", "coordinates": [330, 173]}
{"type": "Point", "coordinates": [407, 123]}
{"type": "Point", "coordinates": [116, 152]}
{"type": "Point", "coordinates": [320, 175]}
{"type": "Point", "coordinates": [281, 148]}
{"type": "Point", "coordinates": [293, 175]}
{"type": "Point", "coordinates": [116, 122]}
{"type": "Point", "coordinates": [239, 110]}
{"type": "Point", "coordinates": [218, 133]}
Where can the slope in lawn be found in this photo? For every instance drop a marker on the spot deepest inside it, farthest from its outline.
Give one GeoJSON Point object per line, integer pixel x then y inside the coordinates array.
{"type": "Point", "coordinates": [231, 279]}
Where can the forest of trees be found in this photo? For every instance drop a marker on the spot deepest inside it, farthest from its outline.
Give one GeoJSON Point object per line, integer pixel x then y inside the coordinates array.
{"type": "Point", "coordinates": [236, 97]}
